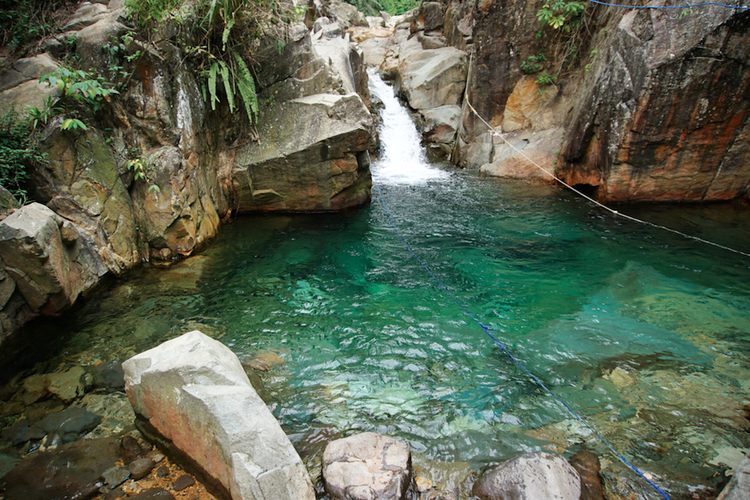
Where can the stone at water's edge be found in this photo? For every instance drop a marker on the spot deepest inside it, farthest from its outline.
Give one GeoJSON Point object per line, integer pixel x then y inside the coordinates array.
{"type": "Point", "coordinates": [739, 487]}
{"type": "Point", "coordinates": [71, 472]}
{"type": "Point", "coordinates": [50, 264]}
{"type": "Point", "coordinates": [194, 391]}
{"type": "Point", "coordinates": [368, 466]}
{"type": "Point", "coordinates": [313, 156]}
{"type": "Point", "coordinates": [531, 476]}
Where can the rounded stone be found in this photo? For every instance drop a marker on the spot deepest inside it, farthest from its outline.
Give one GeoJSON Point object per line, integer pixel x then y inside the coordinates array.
{"type": "Point", "coordinates": [140, 467]}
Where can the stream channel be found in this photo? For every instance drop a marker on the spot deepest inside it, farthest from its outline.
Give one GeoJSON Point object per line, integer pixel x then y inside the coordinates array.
{"type": "Point", "coordinates": [643, 332]}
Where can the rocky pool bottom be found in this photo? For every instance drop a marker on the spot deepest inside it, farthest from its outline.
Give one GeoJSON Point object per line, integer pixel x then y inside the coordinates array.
{"type": "Point", "coordinates": [645, 334]}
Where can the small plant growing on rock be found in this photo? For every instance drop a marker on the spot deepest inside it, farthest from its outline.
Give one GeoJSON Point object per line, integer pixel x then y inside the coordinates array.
{"type": "Point", "coordinates": [534, 63]}
{"type": "Point", "coordinates": [77, 86]}
{"type": "Point", "coordinates": [139, 166]}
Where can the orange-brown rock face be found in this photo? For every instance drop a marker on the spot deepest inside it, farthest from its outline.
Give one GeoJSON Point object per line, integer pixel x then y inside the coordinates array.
{"type": "Point", "coordinates": [665, 117]}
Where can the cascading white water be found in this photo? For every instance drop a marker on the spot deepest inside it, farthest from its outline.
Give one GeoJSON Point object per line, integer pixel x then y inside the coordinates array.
{"type": "Point", "coordinates": [402, 160]}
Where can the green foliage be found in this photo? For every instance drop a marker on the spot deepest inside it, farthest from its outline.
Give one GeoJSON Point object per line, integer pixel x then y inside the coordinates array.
{"type": "Point", "coordinates": [146, 12]}
{"type": "Point", "coordinates": [685, 12]}
{"type": "Point", "coordinates": [80, 86]}
{"type": "Point", "coordinates": [73, 124]}
{"type": "Point", "coordinates": [545, 79]}
{"type": "Point", "coordinates": [141, 170]}
{"type": "Point", "coordinates": [24, 21]}
{"type": "Point", "coordinates": [534, 63]}
{"type": "Point", "coordinates": [561, 14]}
{"type": "Point", "coordinates": [393, 7]}
{"type": "Point", "coordinates": [17, 152]}
{"type": "Point", "coordinates": [227, 64]}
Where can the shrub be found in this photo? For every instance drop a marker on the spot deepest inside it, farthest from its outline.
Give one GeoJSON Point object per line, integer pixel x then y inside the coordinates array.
{"type": "Point", "coordinates": [17, 152]}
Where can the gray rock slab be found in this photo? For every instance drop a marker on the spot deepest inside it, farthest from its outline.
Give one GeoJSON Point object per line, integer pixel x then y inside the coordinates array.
{"type": "Point", "coordinates": [530, 476]}
{"type": "Point", "coordinates": [433, 78]}
{"type": "Point", "coordinates": [194, 391]}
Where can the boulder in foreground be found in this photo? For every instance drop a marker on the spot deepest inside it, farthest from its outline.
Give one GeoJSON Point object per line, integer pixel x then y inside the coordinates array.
{"type": "Point", "coordinates": [194, 392]}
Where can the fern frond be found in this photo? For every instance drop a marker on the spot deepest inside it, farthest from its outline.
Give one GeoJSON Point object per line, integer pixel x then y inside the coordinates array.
{"type": "Point", "coordinates": [212, 73]}
{"type": "Point", "coordinates": [227, 85]}
{"type": "Point", "coordinates": [246, 85]}
{"type": "Point", "coordinates": [225, 35]}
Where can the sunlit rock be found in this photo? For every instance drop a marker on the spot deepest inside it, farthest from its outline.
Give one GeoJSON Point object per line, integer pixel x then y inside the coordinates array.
{"type": "Point", "coordinates": [432, 78]}
{"type": "Point", "coordinates": [193, 391]}
{"type": "Point", "coordinates": [530, 476]}
{"type": "Point", "coordinates": [368, 466]}
{"type": "Point", "coordinates": [527, 152]}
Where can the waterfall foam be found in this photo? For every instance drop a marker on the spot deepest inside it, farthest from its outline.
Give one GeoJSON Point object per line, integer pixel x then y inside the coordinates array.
{"type": "Point", "coordinates": [403, 160]}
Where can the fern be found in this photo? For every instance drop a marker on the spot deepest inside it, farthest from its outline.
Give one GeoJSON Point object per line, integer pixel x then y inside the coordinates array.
{"type": "Point", "coordinates": [227, 85]}
{"type": "Point", "coordinates": [212, 74]}
{"type": "Point", "coordinates": [246, 84]}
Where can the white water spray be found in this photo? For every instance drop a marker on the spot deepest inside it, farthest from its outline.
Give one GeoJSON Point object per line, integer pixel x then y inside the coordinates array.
{"type": "Point", "coordinates": [402, 160]}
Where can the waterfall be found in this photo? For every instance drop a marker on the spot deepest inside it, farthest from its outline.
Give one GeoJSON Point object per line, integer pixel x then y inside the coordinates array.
{"type": "Point", "coordinates": [402, 159]}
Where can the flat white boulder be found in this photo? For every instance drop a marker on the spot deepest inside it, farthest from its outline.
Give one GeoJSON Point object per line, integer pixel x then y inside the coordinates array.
{"type": "Point", "coordinates": [194, 391]}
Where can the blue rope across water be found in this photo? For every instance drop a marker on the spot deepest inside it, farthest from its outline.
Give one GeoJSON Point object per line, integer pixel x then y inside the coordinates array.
{"type": "Point", "coordinates": [667, 7]}
{"type": "Point", "coordinates": [488, 331]}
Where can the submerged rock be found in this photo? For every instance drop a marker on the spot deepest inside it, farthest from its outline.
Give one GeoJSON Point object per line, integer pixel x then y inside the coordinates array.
{"type": "Point", "coordinates": [368, 466]}
{"type": "Point", "coordinates": [530, 476]}
{"type": "Point", "coordinates": [71, 472]}
{"type": "Point", "coordinates": [193, 391]}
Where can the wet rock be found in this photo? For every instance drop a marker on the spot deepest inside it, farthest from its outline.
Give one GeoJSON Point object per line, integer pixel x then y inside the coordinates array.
{"type": "Point", "coordinates": [739, 486]}
{"type": "Point", "coordinates": [115, 494]}
{"type": "Point", "coordinates": [532, 475]}
{"type": "Point", "coordinates": [32, 389]}
{"type": "Point", "coordinates": [39, 410]}
{"type": "Point", "coordinates": [21, 432]}
{"type": "Point", "coordinates": [71, 472]}
{"type": "Point", "coordinates": [153, 494]}
{"type": "Point", "coordinates": [12, 408]}
{"type": "Point", "coordinates": [109, 375]}
{"type": "Point", "coordinates": [130, 449]}
{"type": "Point", "coordinates": [368, 466]}
{"type": "Point", "coordinates": [66, 385]}
{"type": "Point", "coordinates": [140, 467]}
{"type": "Point", "coordinates": [196, 383]}
{"type": "Point", "coordinates": [588, 467]}
{"type": "Point", "coordinates": [71, 423]}
{"type": "Point", "coordinates": [183, 482]}
{"type": "Point", "coordinates": [115, 476]}
{"type": "Point", "coordinates": [162, 471]}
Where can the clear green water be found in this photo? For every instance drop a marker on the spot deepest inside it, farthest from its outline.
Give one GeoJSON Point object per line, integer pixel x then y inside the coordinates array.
{"type": "Point", "coordinates": [369, 342]}
{"type": "Point", "coordinates": [645, 333]}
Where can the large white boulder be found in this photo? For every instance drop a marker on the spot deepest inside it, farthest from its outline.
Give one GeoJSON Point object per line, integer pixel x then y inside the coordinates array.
{"type": "Point", "coordinates": [194, 392]}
